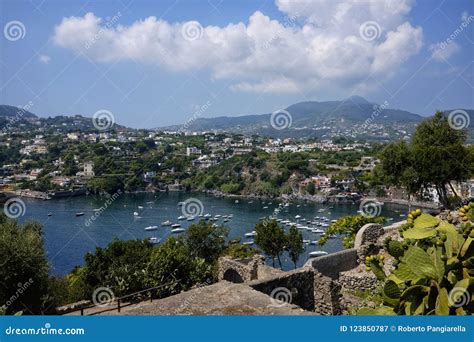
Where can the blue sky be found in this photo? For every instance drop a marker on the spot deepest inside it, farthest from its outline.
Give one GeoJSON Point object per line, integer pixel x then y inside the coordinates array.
{"type": "Point", "coordinates": [156, 63]}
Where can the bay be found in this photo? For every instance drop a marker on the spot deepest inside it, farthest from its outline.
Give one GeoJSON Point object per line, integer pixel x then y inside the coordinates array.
{"type": "Point", "coordinates": [68, 237]}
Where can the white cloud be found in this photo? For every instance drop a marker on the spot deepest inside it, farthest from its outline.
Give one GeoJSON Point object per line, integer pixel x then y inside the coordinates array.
{"type": "Point", "coordinates": [45, 59]}
{"type": "Point", "coordinates": [318, 45]}
{"type": "Point", "coordinates": [443, 51]}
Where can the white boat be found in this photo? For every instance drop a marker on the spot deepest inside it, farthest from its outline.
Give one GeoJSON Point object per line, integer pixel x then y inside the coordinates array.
{"type": "Point", "coordinates": [154, 240]}
{"type": "Point", "coordinates": [217, 216]}
{"type": "Point", "coordinates": [297, 217]}
{"type": "Point", "coordinates": [313, 242]}
{"type": "Point", "coordinates": [226, 220]}
{"type": "Point", "coordinates": [236, 201]}
{"type": "Point", "coordinates": [50, 214]}
{"type": "Point", "coordinates": [322, 210]}
{"type": "Point", "coordinates": [207, 216]}
{"type": "Point", "coordinates": [251, 234]}
{"type": "Point", "coordinates": [191, 218]}
{"type": "Point", "coordinates": [306, 242]}
{"type": "Point", "coordinates": [250, 202]}
{"type": "Point", "coordinates": [80, 214]}
{"type": "Point", "coordinates": [135, 213]}
{"type": "Point", "coordinates": [176, 225]}
{"type": "Point", "coordinates": [182, 217]}
{"type": "Point", "coordinates": [177, 230]}
{"type": "Point", "coordinates": [151, 228]}
{"type": "Point", "coordinates": [180, 203]}
{"type": "Point", "coordinates": [317, 254]}
{"type": "Point", "coordinates": [317, 231]}
{"type": "Point", "coordinates": [251, 242]}
{"type": "Point", "coordinates": [97, 209]}
{"type": "Point", "coordinates": [140, 207]}
{"type": "Point", "coordinates": [166, 223]}
{"type": "Point", "coordinates": [333, 221]}
{"type": "Point", "coordinates": [230, 215]}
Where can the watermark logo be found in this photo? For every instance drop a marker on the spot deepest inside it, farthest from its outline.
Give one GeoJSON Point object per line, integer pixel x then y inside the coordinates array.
{"type": "Point", "coordinates": [370, 208]}
{"type": "Point", "coordinates": [458, 297]}
{"type": "Point", "coordinates": [459, 119]}
{"type": "Point", "coordinates": [109, 22]}
{"type": "Point", "coordinates": [103, 120]}
{"type": "Point", "coordinates": [192, 30]}
{"type": "Point", "coordinates": [103, 296]}
{"type": "Point", "coordinates": [192, 207]}
{"type": "Point", "coordinates": [281, 119]}
{"type": "Point", "coordinates": [280, 296]}
{"type": "Point", "coordinates": [370, 30]}
{"type": "Point", "coordinates": [14, 208]}
{"type": "Point", "coordinates": [14, 30]}
{"type": "Point", "coordinates": [21, 288]}
{"type": "Point", "coordinates": [107, 203]}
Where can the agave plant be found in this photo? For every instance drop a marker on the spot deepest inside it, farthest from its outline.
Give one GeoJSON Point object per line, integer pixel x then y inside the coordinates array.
{"type": "Point", "coordinates": [433, 267]}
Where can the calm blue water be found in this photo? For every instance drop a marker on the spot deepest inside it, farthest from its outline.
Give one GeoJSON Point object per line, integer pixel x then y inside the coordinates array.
{"type": "Point", "coordinates": [68, 239]}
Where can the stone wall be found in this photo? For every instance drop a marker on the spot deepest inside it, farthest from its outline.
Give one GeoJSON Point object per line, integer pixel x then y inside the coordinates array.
{"type": "Point", "coordinates": [295, 287]}
{"type": "Point", "coordinates": [239, 271]}
{"type": "Point", "coordinates": [331, 265]}
{"type": "Point", "coordinates": [316, 286]}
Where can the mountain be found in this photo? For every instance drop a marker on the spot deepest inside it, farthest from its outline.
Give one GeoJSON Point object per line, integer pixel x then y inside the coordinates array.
{"type": "Point", "coordinates": [312, 115]}
{"type": "Point", "coordinates": [9, 111]}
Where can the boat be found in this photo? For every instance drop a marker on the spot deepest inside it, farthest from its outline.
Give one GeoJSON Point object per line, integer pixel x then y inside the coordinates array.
{"type": "Point", "coordinates": [230, 215]}
{"type": "Point", "coordinates": [315, 254]}
{"type": "Point", "coordinates": [226, 220]}
{"type": "Point", "coordinates": [191, 218]}
{"type": "Point", "coordinates": [333, 221]}
{"type": "Point", "coordinates": [251, 242]}
{"type": "Point", "coordinates": [313, 242]}
{"type": "Point", "coordinates": [80, 214]}
{"type": "Point", "coordinates": [297, 217]}
{"type": "Point", "coordinates": [182, 217]}
{"type": "Point", "coordinates": [265, 207]}
{"type": "Point", "coordinates": [207, 216]}
{"type": "Point", "coordinates": [306, 241]}
{"type": "Point", "coordinates": [322, 210]}
{"type": "Point", "coordinates": [96, 209]}
{"type": "Point", "coordinates": [166, 223]}
{"type": "Point", "coordinates": [250, 202]}
{"type": "Point", "coordinates": [217, 216]}
{"type": "Point", "coordinates": [177, 230]}
{"type": "Point", "coordinates": [180, 203]}
{"type": "Point", "coordinates": [50, 214]}
{"type": "Point", "coordinates": [151, 228]}
{"type": "Point", "coordinates": [140, 207]}
{"type": "Point", "coordinates": [251, 234]}
{"type": "Point", "coordinates": [176, 225]}
{"type": "Point", "coordinates": [154, 240]}
{"type": "Point", "coordinates": [236, 201]}
{"type": "Point", "coordinates": [317, 231]}
{"type": "Point", "coordinates": [135, 213]}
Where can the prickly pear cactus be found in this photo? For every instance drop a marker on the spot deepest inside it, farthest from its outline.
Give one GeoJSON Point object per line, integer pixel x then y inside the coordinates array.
{"type": "Point", "coordinates": [433, 267]}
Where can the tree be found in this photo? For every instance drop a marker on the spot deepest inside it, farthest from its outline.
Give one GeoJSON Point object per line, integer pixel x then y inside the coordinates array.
{"type": "Point", "coordinates": [348, 226]}
{"type": "Point", "coordinates": [294, 244]}
{"type": "Point", "coordinates": [270, 237]}
{"type": "Point", "coordinates": [206, 241]}
{"type": "Point", "coordinates": [310, 188]}
{"type": "Point", "coordinates": [121, 266]}
{"type": "Point", "coordinates": [436, 157]}
{"type": "Point", "coordinates": [173, 267]}
{"type": "Point", "coordinates": [24, 273]}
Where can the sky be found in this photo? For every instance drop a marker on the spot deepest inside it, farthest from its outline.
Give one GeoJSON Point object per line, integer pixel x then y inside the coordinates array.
{"type": "Point", "coordinates": [158, 63]}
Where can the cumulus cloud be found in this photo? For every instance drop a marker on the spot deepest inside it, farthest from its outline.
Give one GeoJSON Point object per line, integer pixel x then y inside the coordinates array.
{"type": "Point", "coordinates": [318, 44]}
{"type": "Point", "coordinates": [443, 51]}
